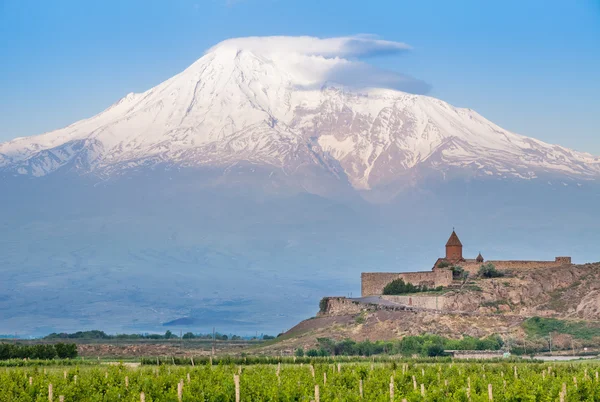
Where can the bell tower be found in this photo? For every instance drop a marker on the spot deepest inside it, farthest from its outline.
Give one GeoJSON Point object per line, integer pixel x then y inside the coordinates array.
{"type": "Point", "coordinates": [454, 248]}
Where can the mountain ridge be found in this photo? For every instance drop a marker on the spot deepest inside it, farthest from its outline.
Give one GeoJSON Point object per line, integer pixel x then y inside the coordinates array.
{"type": "Point", "coordinates": [235, 105]}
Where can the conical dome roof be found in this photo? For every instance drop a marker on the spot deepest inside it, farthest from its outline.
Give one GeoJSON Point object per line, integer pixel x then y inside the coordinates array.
{"type": "Point", "coordinates": [479, 258]}
{"type": "Point", "coordinates": [453, 240]}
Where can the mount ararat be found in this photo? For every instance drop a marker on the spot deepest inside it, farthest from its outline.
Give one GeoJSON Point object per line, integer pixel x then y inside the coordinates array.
{"type": "Point", "coordinates": [268, 173]}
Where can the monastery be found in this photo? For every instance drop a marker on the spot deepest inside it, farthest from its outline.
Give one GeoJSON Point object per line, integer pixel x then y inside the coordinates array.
{"type": "Point", "coordinates": [372, 283]}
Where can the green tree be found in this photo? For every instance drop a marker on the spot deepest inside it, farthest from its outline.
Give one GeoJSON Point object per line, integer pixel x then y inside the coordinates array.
{"type": "Point", "coordinates": [489, 271]}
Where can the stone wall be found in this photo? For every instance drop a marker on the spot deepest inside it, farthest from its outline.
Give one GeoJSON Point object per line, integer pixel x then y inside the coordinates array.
{"type": "Point", "coordinates": [342, 306]}
{"type": "Point", "coordinates": [473, 267]}
{"type": "Point", "coordinates": [428, 302]}
{"type": "Point", "coordinates": [372, 283]}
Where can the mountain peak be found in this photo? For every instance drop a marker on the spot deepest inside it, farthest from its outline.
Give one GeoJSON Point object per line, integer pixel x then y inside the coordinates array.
{"type": "Point", "coordinates": [282, 102]}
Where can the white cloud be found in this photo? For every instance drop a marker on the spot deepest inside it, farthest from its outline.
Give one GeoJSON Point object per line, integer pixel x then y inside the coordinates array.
{"type": "Point", "coordinates": [313, 61]}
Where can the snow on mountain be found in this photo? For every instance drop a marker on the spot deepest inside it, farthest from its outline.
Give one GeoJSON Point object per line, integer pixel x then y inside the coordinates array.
{"type": "Point", "coordinates": [288, 102]}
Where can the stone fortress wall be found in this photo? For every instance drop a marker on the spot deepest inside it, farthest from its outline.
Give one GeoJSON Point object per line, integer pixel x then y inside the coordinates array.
{"type": "Point", "coordinates": [473, 267]}
{"type": "Point", "coordinates": [428, 302]}
{"type": "Point", "coordinates": [372, 283]}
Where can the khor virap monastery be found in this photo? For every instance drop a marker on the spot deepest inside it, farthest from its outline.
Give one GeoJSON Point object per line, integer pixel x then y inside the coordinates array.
{"type": "Point", "coordinates": [372, 283]}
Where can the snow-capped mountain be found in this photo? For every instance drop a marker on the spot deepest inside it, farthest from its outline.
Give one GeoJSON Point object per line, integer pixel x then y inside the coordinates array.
{"type": "Point", "coordinates": [230, 199]}
{"type": "Point", "coordinates": [278, 102]}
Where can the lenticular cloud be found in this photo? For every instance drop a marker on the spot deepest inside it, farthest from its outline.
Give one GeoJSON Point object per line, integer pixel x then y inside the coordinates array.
{"type": "Point", "coordinates": [313, 62]}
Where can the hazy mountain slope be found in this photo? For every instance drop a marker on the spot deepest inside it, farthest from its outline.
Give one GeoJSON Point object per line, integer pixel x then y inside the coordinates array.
{"type": "Point", "coordinates": [233, 194]}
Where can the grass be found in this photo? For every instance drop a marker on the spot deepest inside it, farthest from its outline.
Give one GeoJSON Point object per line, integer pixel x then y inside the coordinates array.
{"type": "Point", "coordinates": [542, 327]}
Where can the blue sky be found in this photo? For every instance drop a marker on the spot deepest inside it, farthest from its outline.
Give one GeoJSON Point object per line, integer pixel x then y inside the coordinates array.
{"type": "Point", "coordinates": [531, 66]}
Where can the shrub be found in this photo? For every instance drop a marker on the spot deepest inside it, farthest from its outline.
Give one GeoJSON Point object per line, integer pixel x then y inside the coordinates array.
{"type": "Point", "coordinates": [312, 353]}
{"type": "Point", "coordinates": [360, 319]}
{"type": "Point", "coordinates": [323, 304]}
{"type": "Point", "coordinates": [458, 272]}
{"type": "Point", "coordinates": [398, 287]}
{"type": "Point", "coordinates": [435, 350]}
{"type": "Point", "coordinates": [489, 271]}
{"type": "Point", "coordinates": [66, 350]}
{"type": "Point", "coordinates": [443, 264]}
{"type": "Point", "coordinates": [299, 352]}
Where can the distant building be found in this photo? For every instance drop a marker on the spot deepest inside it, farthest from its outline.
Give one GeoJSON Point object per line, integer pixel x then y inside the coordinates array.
{"type": "Point", "coordinates": [454, 249]}
{"type": "Point", "coordinates": [372, 283]}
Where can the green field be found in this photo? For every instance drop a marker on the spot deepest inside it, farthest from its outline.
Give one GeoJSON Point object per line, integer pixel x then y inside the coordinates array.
{"type": "Point", "coordinates": [507, 381]}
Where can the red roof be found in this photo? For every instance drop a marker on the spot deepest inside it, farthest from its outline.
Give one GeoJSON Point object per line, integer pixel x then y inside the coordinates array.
{"type": "Point", "coordinates": [453, 240]}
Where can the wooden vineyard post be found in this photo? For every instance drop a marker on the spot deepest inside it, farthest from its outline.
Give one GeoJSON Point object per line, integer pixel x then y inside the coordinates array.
{"type": "Point", "coordinates": [575, 382]}
{"type": "Point", "coordinates": [31, 380]}
{"type": "Point", "coordinates": [312, 371]}
{"type": "Point", "coordinates": [469, 388]}
{"type": "Point", "coordinates": [192, 360]}
{"type": "Point", "coordinates": [188, 378]}
{"type": "Point", "coordinates": [564, 389]}
{"type": "Point", "coordinates": [490, 392]}
{"type": "Point", "coordinates": [596, 376]}
{"type": "Point", "coordinates": [561, 396]}
{"type": "Point", "coordinates": [324, 378]}
{"type": "Point", "coordinates": [515, 368]}
{"type": "Point", "coordinates": [392, 389]}
{"type": "Point", "coordinates": [65, 374]}
{"type": "Point", "coordinates": [236, 380]}
{"type": "Point", "coordinates": [180, 390]}
{"type": "Point", "coordinates": [142, 397]}
{"type": "Point", "coordinates": [126, 382]}
{"type": "Point", "coordinates": [339, 367]}
{"type": "Point", "coordinates": [61, 398]}
{"type": "Point", "coordinates": [423, 390]}
{"type": "Point", "coordinates": [317, 396]}
{"type": "Point", "coordinates": [75, 379]}
{"type": "Point", "coordinates": [49, 392]}
{"type": "Point", "coordinates": [360, 388]}
{"type": "Point", "coordinates": [414, 382]}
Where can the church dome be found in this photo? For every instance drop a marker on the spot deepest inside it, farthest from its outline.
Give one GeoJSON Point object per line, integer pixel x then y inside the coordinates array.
{"type": "Point", "coordinates": [453, 240]}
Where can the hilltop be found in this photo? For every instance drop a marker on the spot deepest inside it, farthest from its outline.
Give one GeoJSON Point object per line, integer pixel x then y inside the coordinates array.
{"type": "Point", "coordinates": [567, 299]}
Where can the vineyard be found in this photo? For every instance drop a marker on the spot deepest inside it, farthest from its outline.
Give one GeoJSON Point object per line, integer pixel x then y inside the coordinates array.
{"type": "Point", "coordinates": [318, 382]}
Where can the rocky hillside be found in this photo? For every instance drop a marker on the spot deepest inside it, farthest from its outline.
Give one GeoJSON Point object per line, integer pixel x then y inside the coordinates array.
{"type": "Point", "coordinates": [571, 291]}
{"type": "Point", "coordinates": [479, 308]}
